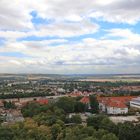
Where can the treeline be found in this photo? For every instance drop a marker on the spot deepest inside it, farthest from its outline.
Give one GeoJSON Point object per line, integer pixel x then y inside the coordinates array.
{"type": "Point", "coordinates": [122, 93]}
{"type": "Point", "coordinates": [123, 131]}
{"type": "Point", "coordinates": [30, 130]}
{"type": "Point", "coordinates": [64, 105]}
{"type": "Point", "coordinates": [132, 93]}
{"type": "Point", "coordinates": [107, 83]}
{"type": "Point", "coordinates": [24, 95]}
{"type": "Point", "coordinates": [94, 86]}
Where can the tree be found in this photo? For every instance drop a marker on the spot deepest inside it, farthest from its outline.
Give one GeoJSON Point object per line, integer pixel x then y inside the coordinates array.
{"type": "Point", "coordinates": [95, 121]}
{"type": "Point", "coordinates": [109, 137]}
{"type": "Point", "coordinates": [6, 134]}
{"type": "Point", "coordinates": [90, 131]}
{"type": "Point", "coordinates": [67, 104]}
{"type": "Point", "coordinates": [100, 133]}
{"type": "Point", "coordinates": [55, 130]}
{"type": "Point", "coordinates": [9, 105]}
{"type": "Point", "coordinates": [79, 107]}
{"type": "Point", "coordinates": [31, 109]}
{"type": "Point", "coordinates": [76, 119]}
{"type": "Point", "coordinates": [108, 125]}
{"type": "Point", "coordinates": [136, 132]}
{"type": "Point", "coordinates": [89, 138]}
{"type": "Point", "coordinates": [126, 131]}
{"type": "Point", "coordinates": [94, 104]}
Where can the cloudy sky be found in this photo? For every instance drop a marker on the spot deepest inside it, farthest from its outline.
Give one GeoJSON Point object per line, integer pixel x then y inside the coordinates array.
{"type": "Point", "coordinates": [70, 36]}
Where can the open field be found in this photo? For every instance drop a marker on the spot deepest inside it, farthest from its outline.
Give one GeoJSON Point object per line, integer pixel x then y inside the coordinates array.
{"type": "Point", "coordinates": [78, 77]}
{"type": "Point", "coordinates": [111, 80]}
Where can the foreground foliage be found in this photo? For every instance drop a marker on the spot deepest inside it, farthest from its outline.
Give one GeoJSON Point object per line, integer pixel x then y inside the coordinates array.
{"type": "Point", "coordinates": [53, 122]}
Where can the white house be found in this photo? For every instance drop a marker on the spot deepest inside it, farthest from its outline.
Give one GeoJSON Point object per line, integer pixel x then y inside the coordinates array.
{"type": "Point", "coordinates": [113, 105]}
{"type": "Point", "coordinates": [117, 110]}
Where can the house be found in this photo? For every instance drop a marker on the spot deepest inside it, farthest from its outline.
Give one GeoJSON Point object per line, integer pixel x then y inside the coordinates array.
{"type": "Point", "coordinates": [75, 94]}
{"type": "Point", "coordinates": [18, 104]}
{"type": "Point", "coordinates": [114, 105]}
{"type": "Point", "coordinates": [85, 100]}
{"type": "Point", "coordinates": [111, 105]}
{"type": "Point", "coordinates": [43, 101]}
{"type": "Point", "coordinates": [135, 102]}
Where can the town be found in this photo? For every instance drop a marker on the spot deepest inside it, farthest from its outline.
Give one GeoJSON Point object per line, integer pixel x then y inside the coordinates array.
{"type": "Point", "coordinates": [77, 101]}
{"type": "Point", "coordinates": [113, 97]}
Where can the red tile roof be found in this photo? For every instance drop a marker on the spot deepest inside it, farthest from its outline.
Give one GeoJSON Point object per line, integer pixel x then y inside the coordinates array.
{"type": "Point", "coordinates": [118, 102]}
{"type": "Point", "coordinates": [76, 94]}
{"type": "Point", "coordinates": [43, 101]}
{"type": "Point", "coordinates": [85, 100]}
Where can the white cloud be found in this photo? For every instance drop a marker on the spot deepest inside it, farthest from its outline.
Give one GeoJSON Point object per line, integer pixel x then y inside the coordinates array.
{"type": "Point", "coordinates": [120, 11]}
{"type": "Point", "coordinates": [60, 29]}
{"type": "Point", "coordinates": [90, 51]}
{"type": "Point", "coordinates": [126, 11]}
{"type": "Point", "coordinates": [116, 49]}
{"type": "Point", "coordinates": [67, 29]}
{"type": "Point", "coordinates": [14, 15]}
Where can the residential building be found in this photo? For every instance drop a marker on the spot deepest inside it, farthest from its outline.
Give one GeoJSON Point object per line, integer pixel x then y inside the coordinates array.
{"type": "Point", "coordinates": [43, 101]}
{"type": "Point", "coordinates": [135, 102]}
{"type": "Point", "coordinates": [114, 105]}
{"type": "Point", "coordinates": [111, 105]}
{"type": "Point", "coordinates": [85, 100]}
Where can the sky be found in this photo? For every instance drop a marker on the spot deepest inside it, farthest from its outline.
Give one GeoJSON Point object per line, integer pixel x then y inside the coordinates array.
{"type": "Point", "coordinates": [70, 36]}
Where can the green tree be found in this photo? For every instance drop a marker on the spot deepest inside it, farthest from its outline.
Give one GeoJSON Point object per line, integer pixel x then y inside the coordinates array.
{"type": "Point", "coordinates": [67, 104]}
{"type": "Point", "coordinates": [89, 138]}
{"type": "Point", "coordinates": [126, 131]}
{"type": "Point", "coordinates": [90, 131]}
{"type": "Point", "coordinates": [55, 130]}
{"type": "Point", "coordinates": [31, 109]}
{"type": "Point", "coordinates": [76, 119]}
{"type": "Point", "coordinates": [108, 125]}
{"type": "Point", "coordinates": [100, 133]}
{"type": "Point", "coordinates": [94, 104]}
{"type": "Point", "coordinates": [136, 132]}
{"type": "Point", "coordinates": [9, 105]}
{"type": "Point", "coordinates": [95, 121]}
{"type": "Point", "coordinates": [109, 137]}
{"type": "Point", "coordinates": [6, 133]}
{"type": "Point", "coordinates": [79, 107]}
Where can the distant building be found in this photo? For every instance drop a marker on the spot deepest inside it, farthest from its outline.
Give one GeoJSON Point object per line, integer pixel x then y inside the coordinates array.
{"type": "Point", "coordinates": [43, 101]}
{"type": "Point", "coordinates": [61, 90]}
{"type": "Point", "coordinates": [85, 100]}
{"type": "Point", "coordinates": [14, 116]}
{"type": "Point", "coordinates": [1, 104]}
{"type": "Point", "coordinates": [75, 94]}
{"type": "Point", "coordinates": [135, 102]}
